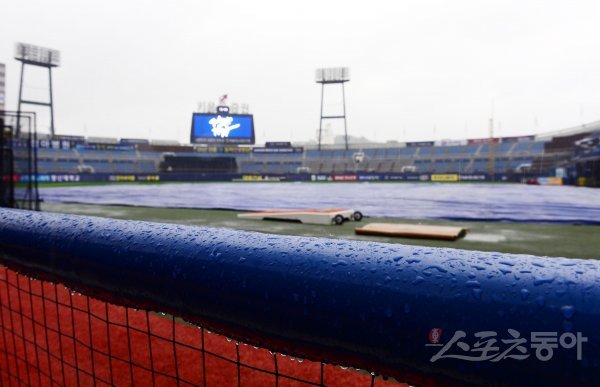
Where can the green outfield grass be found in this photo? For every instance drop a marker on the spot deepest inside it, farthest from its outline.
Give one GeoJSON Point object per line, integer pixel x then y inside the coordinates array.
{"type": "Point", "coordinates": [557, 240]}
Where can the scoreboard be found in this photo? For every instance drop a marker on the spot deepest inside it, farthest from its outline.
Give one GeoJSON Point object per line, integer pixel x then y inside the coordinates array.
{"type": "Point", "coordinates": [222, 128]}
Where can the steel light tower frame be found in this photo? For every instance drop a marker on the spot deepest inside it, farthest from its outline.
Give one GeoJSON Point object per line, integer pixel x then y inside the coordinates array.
{"type": "Point", "coordinates": [333, 76]}
{"type": "Point", "coordinates": [29, 54]}
{"type": "Point", "coordinates": [30, 197]}
{"type": "Point", "coordinates": [492, 150]}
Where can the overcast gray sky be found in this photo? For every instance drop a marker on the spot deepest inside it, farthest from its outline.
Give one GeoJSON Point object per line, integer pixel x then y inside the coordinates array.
{"type": "Point", "coordinates": [423, 69]}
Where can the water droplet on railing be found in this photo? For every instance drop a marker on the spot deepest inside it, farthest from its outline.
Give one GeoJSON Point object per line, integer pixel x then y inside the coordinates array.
{"type": "Point", "coordinates": [568, 311]}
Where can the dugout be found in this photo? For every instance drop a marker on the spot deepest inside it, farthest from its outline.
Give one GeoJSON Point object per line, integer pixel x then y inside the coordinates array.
{"type": "Point", "coordinates": [588, 172]}
{"type": "Point", "coordinates": [587, 161]}
{"type": "Point", "coordinates": [195, 164]}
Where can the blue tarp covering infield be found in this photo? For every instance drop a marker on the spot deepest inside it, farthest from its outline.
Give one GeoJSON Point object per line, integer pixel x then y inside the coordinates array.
{"type": "Point", "coordinates": [484, 202]}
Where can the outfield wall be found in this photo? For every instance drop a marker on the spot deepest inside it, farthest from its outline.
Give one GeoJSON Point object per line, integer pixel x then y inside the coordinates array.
{"type": "Point", "coordinates": [315, 177]}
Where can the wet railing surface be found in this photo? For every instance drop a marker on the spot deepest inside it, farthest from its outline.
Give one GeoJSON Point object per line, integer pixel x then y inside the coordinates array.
{"type": "Point", "coordinates": [421, 315]}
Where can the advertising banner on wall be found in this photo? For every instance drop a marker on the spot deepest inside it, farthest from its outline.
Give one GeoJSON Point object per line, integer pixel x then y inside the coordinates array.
{"type": "Point", "coordinates": [278, 150]}
{"type": "Point", "coordinates": [55, 144]}
{"type": "Point", "coordinates": [483, 141]}
{"type": "Point", "coordinates": [278, 144]}
{"type": "Point", "coordinates": [106, 147]}
{"type": "Point", "coordinates": [69, 138]}
{"type": "Point", "coordinates": [134, 141]}
{"type": "Point", "coordinates": [445, 177]}
{"type": "Point", "coordinates": [518, 138]}
{"type": "Point", "coordinates": [550, 181]}
{"type": "Point", "coordinates": [450, 142]}
{"type": "Point", "coordinates": [419, 143]}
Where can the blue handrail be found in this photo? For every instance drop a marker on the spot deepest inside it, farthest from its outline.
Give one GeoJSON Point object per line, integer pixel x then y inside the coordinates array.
{"type": "Point", "coordinates": [392, 309]}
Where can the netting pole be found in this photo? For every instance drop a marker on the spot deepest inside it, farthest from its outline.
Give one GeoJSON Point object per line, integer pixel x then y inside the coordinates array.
{"type": "Point", "coordinates": [150, 346]}
{"type": "Point", "coordinates": [322, 374]}
{"type": "Point", "coordinates": [23, 332]}
{"type": "Point", "coordinates": [110, 370]}
{"type": "Point", "coordinates": [175, 350]}
{"type": "Point", "coordinates": [4, 337]}
{"type": "Point", "coordinates": [62, 360]}
{"type": "Point", "coordinates": [46, 330]}
{"type": "Point", "coordinates": [277, 370]}
{"type": "Point", "coordinates": [35, 339]}
{"type": "Point", "coordinates": [129, 345]}
{"type": "Point", "coordinates": [74, 341]}
{"type": "Point", "coordinates": [89, 316]}
{"type": "Point", "coordinates": [12, 328]}
{"type": "Point", "coordinates": [239, 371]}
{"type": "Point", "coordinates": [203, 358]}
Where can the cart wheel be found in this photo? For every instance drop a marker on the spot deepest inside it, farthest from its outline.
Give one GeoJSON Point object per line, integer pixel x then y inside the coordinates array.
{"type": "Point", "coordinates": [357, 216]}
{"type": "Point", "coordinates": [338, 219]}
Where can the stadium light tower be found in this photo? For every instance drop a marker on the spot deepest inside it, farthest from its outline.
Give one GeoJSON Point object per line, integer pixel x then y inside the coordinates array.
{"type": "Point", "coordinates": [333, 76]}
{"type": "Point", "coordinates": [492, 149]}
{"type": "Point", "coordinates": [28, 54]}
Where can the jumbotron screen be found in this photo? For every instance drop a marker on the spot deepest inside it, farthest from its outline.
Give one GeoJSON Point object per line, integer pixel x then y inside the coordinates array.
{"type": "Point", "coordinates": [222, 128]}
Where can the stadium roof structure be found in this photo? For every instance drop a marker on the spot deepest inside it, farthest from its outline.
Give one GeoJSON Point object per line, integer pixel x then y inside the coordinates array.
{"type": "Point", "coordinates": [583, 128]}
{"type": "Point", "coordinates": [546, 136]}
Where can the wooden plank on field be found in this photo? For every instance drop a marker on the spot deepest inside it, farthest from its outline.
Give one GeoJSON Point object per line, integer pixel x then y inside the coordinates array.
{"type": "Point", "coordinates": [403, 230]}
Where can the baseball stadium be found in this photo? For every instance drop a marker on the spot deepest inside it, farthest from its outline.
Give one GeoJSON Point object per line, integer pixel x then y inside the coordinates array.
{"type": "Point", "coordinates": [231, 259]}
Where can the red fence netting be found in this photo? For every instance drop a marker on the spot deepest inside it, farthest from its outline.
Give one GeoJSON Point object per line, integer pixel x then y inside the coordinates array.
{"type": "Point", "coordinates": [52, 336]}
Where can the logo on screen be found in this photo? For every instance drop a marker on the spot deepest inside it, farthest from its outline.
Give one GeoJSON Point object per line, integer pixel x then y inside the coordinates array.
{"type": "Point", "coordinates": [435, 335]}
{"type": "Point", "coordinates": [222, 126]}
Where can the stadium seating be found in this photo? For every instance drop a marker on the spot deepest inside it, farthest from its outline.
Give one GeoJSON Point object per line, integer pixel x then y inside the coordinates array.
{"type": "Point", "coordinates": [391, 158]}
